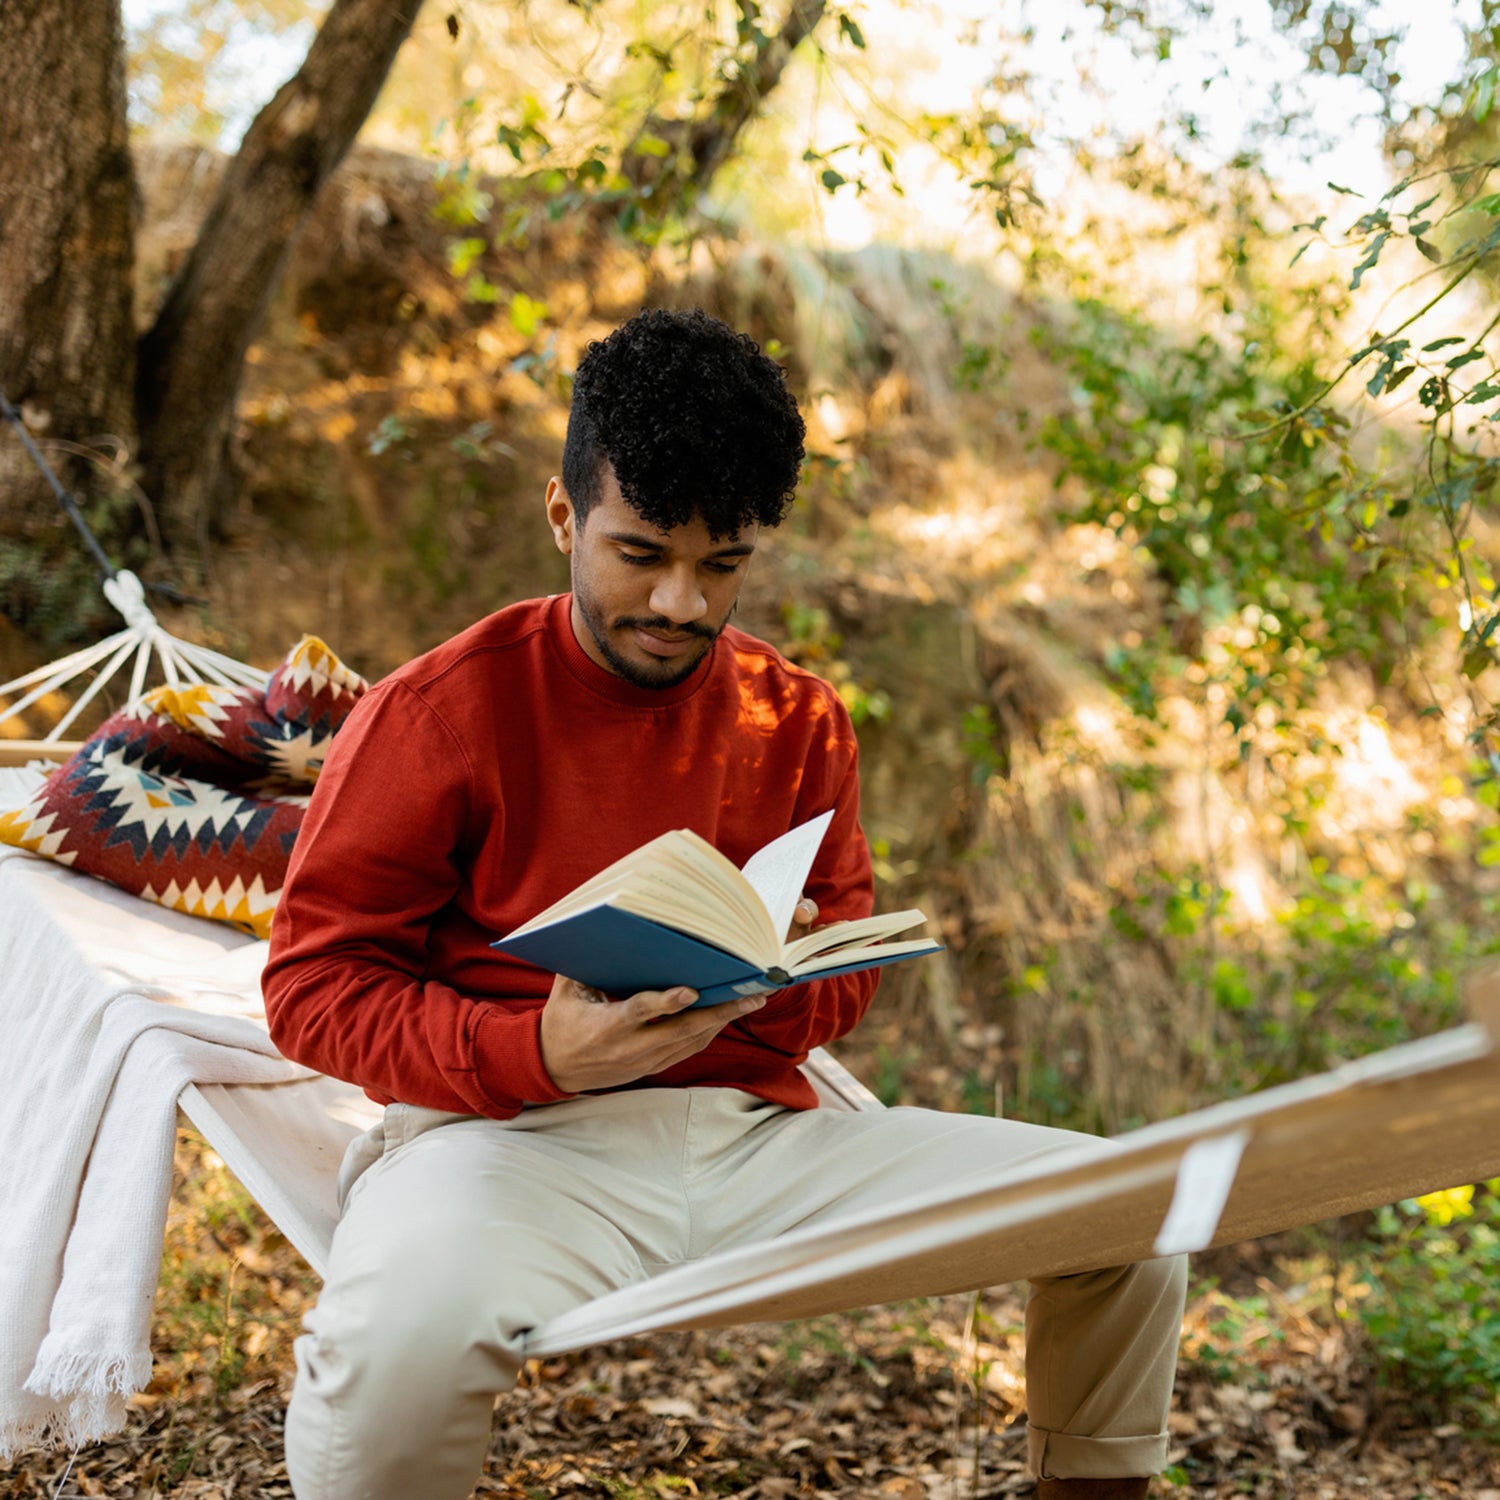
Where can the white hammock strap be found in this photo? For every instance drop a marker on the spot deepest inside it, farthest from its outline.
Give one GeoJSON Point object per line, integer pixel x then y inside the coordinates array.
{"type": "Point", "coordinates": [143, 637]}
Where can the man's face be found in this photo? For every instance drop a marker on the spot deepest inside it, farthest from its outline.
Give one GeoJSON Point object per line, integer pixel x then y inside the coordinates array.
{"type": "Point", "coordinates": [647, 604]}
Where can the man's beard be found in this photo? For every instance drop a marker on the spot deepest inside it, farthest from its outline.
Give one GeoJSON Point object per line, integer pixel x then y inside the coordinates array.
{"type": "Point", "coordinates": [666, 675]}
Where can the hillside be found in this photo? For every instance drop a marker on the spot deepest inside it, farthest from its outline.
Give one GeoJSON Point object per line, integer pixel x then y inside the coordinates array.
{"type": "Point", "coordinates": [399, 422]}
{"type": "Point", "coordinates": [1143, 910]}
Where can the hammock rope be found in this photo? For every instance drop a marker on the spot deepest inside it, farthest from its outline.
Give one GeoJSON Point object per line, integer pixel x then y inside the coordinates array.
{"type": "Point", "coordinates": [143, 637]}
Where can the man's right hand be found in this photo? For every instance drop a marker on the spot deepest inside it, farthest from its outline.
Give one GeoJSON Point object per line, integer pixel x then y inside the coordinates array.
{"type": "Point", "coordinates": [591, 1043]}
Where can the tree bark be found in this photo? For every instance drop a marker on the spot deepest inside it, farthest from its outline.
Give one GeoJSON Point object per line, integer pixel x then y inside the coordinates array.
{"type": "Point", "coordinates": [191, 359]}
{"type": "Point", "coordinates": [704, 143]}
{"type": "Point", "coordinates": [67, 344]}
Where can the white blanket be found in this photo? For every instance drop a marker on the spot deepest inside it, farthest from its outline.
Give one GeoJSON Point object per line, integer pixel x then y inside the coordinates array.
{"type": "Point", "coordinates": [100, 1029]}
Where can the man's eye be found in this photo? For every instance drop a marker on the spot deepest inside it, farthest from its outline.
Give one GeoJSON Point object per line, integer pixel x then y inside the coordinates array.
{"type": "Point", "coordinates": [723, 567]}
{"type": "Point", "coordinates": [638, 559]}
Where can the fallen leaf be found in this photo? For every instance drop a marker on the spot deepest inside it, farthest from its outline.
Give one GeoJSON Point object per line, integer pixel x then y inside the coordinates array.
{"type": "Point", "coordinates": [671, 1406]}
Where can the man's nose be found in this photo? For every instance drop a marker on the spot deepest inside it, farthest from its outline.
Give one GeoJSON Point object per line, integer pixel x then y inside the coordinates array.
{"type": "Point", "coordinates": [678, 598]}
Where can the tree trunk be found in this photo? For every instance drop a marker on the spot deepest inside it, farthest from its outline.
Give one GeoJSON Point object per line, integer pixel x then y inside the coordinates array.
{"type": "Point", "coordinates": [191, 359]}
{"type": "Point", "coordinates": [67, 355]}
{"type": "Point", "coordinates": [705, 142]}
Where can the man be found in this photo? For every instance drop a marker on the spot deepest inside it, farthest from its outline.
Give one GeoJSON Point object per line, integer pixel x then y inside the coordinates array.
{"type": "Point", "coordinates": [541, 1146]}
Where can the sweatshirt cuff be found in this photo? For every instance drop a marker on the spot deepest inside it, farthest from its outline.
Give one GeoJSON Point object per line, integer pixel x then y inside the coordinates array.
{"type": "Point", "coordinates": [508, 1065]}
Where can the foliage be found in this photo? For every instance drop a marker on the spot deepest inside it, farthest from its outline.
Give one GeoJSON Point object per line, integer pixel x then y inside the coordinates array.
{"type": "Point", "coordinates": [1261, 588]}
{"type": "Point", "coordinates": [1429, 1317]}
{"type": "Point", "coordinates": [812, 642]}
{"type": "Point", "coordinates": [1230, 1335]}
{"type": "Point", "coordinates": [192, 63]}
{"type": "Point", "coordinates": [1453, 223]}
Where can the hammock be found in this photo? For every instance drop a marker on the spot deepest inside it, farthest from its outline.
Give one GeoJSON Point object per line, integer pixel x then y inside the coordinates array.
{"type": "Point", "coordinates": [115, 1011]}
{"type": "Point", "coordinates": [142, 638]}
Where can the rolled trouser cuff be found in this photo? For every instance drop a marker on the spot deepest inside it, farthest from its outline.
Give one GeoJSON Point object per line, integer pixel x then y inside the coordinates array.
{"type": "Point", "coordinates": [1060, 1455]}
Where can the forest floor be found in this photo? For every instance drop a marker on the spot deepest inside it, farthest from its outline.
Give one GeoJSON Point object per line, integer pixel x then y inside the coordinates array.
{"type": "Point", "coordinates": [920, 1401]}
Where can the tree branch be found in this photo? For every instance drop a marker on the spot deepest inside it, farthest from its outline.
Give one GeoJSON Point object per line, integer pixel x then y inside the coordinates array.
{"type": "Point", "coordinates": [704, 143]}
{"type": "Point", "coordinates": [191, 358]}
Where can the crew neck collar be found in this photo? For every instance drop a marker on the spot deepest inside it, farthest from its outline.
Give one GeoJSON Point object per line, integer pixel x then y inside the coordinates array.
{"type": "Point", "coordinates": [603, 682]}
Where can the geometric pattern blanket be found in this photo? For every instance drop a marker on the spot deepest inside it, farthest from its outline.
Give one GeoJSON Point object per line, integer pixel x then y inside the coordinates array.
{"type": "Point", "coordinates": [192, 796]}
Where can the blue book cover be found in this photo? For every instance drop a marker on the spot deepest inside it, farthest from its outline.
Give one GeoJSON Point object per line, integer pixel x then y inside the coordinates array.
{"type": "Point", "coordinates": [620, 953]}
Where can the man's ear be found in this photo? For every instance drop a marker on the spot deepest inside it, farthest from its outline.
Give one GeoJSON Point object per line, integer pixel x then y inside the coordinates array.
{"type": "Point", "coordinates": [560, 516]}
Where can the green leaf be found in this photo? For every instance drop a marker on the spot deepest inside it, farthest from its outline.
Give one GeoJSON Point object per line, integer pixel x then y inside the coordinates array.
{"type": "Point", "coordinates": [651, 145]}
{"type": "Point", "coordinates": [526, 314]}
{"type": "Point", "coordinates": [1443, 343]}
{"type": "Point", "coordinates": [1430, 250]}
{"type": "Point", "coordinates": [1476, 661]}
{"type": "Point", "coordinates": [1371, 256]}
{"type": "Point", "coordinates": [849, 31]}
{"type": "Point", "coordinates": [832, 179]}
{"type": "Point", "coordinates": [1484, 95]}
{"type": "Point", "coordinates": [1398, 377]}
{"type": "Point", "coordinates": [1349, 192]}
{"type": "Point", "coordinates": [479, 288]}
{"type": "Point", "coordinates": [1489, 204]}
{"type": "Point", "coordinates": [463, 253]}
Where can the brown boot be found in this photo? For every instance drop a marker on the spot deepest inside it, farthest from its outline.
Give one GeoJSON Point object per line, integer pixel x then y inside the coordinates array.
{"type": "Point", "coordinates": [1093, 1489]}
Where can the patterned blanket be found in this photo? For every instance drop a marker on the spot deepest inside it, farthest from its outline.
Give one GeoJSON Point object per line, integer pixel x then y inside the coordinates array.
{"type": "Point", "coordinates": [192, 796]}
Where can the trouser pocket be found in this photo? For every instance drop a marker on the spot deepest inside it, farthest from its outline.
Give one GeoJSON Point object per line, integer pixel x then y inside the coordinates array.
{"type": "Point", "coordinates": [398, 1126]}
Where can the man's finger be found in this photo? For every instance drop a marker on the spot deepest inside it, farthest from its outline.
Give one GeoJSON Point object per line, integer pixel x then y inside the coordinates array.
{"type": "Point", "coordinates": [652, 1005]}
{"type": "Point", "coordinates": [804, 914]}
{"type": "Point", "coordinates": [684, 1036]}
{"type": "Point", "coordinates": [694, 1028]}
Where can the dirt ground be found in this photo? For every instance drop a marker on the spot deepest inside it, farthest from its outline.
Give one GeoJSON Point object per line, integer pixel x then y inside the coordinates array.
{"type": "Point", "coordinates": [919, 1401]}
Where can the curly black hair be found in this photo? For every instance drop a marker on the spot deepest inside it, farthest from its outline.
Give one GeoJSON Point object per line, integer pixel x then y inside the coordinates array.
{"type": "Point", "coordinates": [694, 418]}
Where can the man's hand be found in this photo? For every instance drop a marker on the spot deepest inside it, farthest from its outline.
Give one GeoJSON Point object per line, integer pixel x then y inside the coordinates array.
{"type": "Point", "coordinates": [804, 914]}
{"type": "Point", "coordinates": [589, 1042]}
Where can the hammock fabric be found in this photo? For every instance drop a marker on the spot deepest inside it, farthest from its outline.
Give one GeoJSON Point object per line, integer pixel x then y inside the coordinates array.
{"type": "Point", "coordinates": [116, 1009]}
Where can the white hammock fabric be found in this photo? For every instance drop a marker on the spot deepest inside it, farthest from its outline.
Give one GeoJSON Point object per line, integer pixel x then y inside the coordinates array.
{"type": "Point", "coordinates": [114, 1009]}
{"type": "Point", "coordinates": [179, 662]}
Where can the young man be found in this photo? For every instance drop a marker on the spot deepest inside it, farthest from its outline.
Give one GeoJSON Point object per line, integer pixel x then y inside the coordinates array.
{"type": "Point", "coordinates": [542, 1146]}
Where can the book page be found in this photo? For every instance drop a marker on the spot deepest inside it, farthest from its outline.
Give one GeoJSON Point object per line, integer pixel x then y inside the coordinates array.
{"type": "Point", "coordinates": [860, 953]}
{"type": "Point", "coordinates": [840, 935]}
{"type": "Point", "coordinates": [779, 871]}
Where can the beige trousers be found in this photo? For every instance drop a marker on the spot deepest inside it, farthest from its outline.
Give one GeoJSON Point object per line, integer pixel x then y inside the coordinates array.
{"type": "Point", "coordinates": [459, 1234]}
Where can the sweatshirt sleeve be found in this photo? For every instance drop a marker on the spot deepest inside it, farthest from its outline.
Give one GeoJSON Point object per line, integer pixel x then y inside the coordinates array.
{"type": "Point", "coordinates": [381, 851]}
{"type": "Point", "coordinates": [805, 1016]}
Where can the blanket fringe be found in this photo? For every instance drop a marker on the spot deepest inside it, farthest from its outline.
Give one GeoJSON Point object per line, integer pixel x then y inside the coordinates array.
{"type": "Point", "coordinates": [91, 1395]}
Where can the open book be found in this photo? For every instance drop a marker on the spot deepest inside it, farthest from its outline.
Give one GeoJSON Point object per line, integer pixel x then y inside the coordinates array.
{"type": "Point", "coordinates": [676, 911]}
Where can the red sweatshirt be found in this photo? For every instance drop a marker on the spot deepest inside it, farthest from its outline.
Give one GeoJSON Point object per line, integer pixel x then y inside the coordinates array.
{"type": "Point", "coordinates": [482, 782]}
